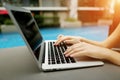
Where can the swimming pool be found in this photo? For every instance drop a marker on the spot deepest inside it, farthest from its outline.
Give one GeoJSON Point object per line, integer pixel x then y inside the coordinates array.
{"type": "Point", "coordinates": [97, 33]}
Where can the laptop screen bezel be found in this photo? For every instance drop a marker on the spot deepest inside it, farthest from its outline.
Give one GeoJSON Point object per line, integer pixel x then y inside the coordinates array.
{"type": "Point", "coordinates": [13, 8]}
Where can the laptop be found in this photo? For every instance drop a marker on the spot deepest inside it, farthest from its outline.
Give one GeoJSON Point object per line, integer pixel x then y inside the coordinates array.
{"type": "Point", "coordinates": [47, 56]}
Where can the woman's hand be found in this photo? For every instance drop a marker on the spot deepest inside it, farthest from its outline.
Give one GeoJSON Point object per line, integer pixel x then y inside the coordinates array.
{"type": "Point", "coordinates": [86, 49]}
{"type": "Point", "coordinates": [68, 39]}
{"type": "Point", "coordinates": [76, 39]}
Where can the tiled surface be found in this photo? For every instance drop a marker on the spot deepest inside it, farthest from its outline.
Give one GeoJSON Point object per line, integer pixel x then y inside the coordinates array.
{"type": "Point", "coordinates": [97, 33]}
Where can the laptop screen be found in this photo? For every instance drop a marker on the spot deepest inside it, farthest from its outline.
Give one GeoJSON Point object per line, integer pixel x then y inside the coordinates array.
{"type": "Point", "coordinates": [29, 29]}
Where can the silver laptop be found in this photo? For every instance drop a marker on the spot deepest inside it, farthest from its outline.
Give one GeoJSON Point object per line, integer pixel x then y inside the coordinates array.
{"type": "Point", "coordinates": [47, 56]}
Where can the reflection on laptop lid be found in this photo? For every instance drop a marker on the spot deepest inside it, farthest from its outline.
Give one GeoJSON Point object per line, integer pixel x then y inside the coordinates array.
{"type": "Point", "coordinates": [52, 56]}
{"type": "Point", "coordinates": [27, 27]}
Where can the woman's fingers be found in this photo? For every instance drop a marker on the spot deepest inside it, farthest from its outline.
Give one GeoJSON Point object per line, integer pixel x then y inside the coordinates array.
{"type": "Point", "coordinates": [67, 52]}
{"type": "Point", "coordinates": [59, 36]}
{"type": "Point", "coordinates": [61, 39]}
{"type": "Point", "coordinates": [78, 54]}
{"type": "Point", "coordinates": [67, 39]}
{"type": "Point", "coordinates": [73, 49]}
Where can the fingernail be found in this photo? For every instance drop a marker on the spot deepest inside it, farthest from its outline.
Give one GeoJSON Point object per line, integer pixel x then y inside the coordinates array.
{"type": "Point", "coordinates": [64, 52]}
{"type": "Point", "coordinates": [66, 55]}
{"type": "Point", "coordinates": [71, 55]}
{"type": "Point", "coordinates": [55, 44]}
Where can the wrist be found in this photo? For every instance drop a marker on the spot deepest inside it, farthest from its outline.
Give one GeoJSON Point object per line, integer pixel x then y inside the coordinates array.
{"type": "Point", "coordinates": [113, 57]}
{"type": "Point", "coordinates": [103, 44]}
{"type": "Point", "coordinates": [83, 39]}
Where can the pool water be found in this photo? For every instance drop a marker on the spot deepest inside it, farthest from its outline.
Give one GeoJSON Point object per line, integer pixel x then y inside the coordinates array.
{"type": "Point", "coordinates": [97, 33]}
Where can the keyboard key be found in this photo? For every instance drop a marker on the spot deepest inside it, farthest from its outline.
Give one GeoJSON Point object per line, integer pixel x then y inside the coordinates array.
{"type": "Point", "coordinates": [56, 55]}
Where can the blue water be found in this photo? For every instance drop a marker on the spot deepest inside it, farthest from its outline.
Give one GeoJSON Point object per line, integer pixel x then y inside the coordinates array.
{"type": "Point", "coordinates": [97, 33]}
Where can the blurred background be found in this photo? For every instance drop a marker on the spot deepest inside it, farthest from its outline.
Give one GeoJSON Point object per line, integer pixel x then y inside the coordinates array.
{"type": "Point", "coordinates": [56, 13]}
{"type": "Point", "coordinates": [61, 15]}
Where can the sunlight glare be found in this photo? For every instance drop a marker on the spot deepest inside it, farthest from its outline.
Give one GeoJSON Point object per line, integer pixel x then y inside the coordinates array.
{"type": "Point", "coordinates": [112, 6]}
{"type": "Point", "coordinates": [118, 1]}
{"type": "Point", "coordinates": [73, 8]}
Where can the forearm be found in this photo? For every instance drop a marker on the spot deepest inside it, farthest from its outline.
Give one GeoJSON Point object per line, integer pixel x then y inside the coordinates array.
{"type": "Point", "coordinates": [92, 42]}
{"type": "Point", "coordinates": [113, 56]}
{"type": "Point", "coordinates": [114, 39]}
{"type": "Point", "coordinates": [109, 55]}
{"type": "Point", "coordinates": [110, 42]}
{"type": "Point", "coordinates": [106, 43]}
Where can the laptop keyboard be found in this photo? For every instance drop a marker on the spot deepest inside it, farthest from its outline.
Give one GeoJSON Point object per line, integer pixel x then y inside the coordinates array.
{"type": "Point", "coordinates": [55, 54]}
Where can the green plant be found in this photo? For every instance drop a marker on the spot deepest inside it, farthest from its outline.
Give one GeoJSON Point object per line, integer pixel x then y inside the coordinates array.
{"type": "Point", "coordinates": [42, 21]}
{"type": "Point", "coordinates": [39, 19]}
{"type": "Point", "coordinates": [8, 22]}
{"type": "Point", "coordinates": [0, 28]}
{"type": "Point", "coordinates": [2, 19]}
{"type": "Point", "coordinates": [70, 19]}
